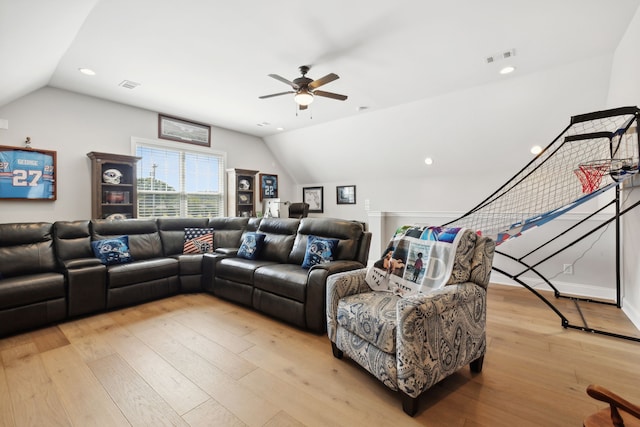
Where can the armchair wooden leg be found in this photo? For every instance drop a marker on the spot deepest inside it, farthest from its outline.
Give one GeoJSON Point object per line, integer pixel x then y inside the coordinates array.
{"type": "Point", "coordinates": [337, 353]}
{"type": "Point", "coordinates": [476, 365]}
{"type": "Point", "coordinates": [409, 404]}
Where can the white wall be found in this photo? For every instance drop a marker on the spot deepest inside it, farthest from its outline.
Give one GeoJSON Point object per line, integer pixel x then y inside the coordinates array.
{"type": "Point", "coordinates": [625, 90]}
{"type": "Point", "coordinates": [74, 125]}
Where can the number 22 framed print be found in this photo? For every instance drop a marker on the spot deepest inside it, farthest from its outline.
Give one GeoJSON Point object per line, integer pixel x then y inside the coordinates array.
{"type": "Point", "coordinates": [27, 174]}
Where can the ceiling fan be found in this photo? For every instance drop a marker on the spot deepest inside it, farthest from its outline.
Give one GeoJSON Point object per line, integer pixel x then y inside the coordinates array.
{"type": "Point", "coordinates": [305, 88]}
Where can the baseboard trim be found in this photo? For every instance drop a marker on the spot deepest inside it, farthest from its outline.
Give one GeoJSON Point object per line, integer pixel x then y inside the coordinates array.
{"type": "Point", "coordinates": [577, 289]}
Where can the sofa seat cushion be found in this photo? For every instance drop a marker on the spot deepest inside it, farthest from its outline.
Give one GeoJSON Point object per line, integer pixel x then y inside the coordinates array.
{"type": "Point", "coordinates": [190, 263]}
{"type": "Point", "coordinates": [239, 269]}
{"type": "Point", "coordinates": [372, 317]}
{"type": "Point", "coordinates": [286, 280]}
{"type": "Point", "coordinates": [141, 271]}
{"type": "Point", "coordinates": [30, 289]}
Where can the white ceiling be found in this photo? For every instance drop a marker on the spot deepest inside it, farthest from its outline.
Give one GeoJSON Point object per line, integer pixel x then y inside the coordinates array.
{"type": "Point", "coordinates": [208, 60]}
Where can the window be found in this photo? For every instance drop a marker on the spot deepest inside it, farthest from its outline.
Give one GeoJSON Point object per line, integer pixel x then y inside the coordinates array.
{"type": "Point", "coordinates": [176, 182]}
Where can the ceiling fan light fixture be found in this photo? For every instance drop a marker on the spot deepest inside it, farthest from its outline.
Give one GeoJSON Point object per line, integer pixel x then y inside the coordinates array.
{"type": "Point", "coordinates": [303, 97]}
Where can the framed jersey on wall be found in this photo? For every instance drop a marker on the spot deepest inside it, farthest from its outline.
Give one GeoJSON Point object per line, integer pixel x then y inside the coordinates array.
{"type": "Point", "coordinates": [27, 174]}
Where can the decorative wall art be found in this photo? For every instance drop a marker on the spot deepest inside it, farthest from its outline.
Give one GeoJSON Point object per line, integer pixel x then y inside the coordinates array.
{"type": "Point", "coordinates": [314, 197]}
{"type": "Point", "coordinates": [27, 174]}
{"type": "Point", "coordinates": [181, 130]}
{"type": "Point", "coordinates": [346, 194]}
{"type": "Point", "coordinates": [268, 186]}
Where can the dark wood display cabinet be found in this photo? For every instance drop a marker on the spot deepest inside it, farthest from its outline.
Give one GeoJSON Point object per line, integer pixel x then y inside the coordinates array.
{"type": "Point", "coordinates": [241, 194]}
{"type": "Point", "coordinates": [113, 186]}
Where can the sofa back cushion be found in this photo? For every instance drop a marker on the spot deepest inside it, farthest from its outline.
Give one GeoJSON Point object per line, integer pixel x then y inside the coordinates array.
{"type": "Point", "coordinates": [348, 234]}
{"type": "Point", "coordinates": [172, 232]}
{"type": "Point", "coordinates": [72, 240]}
{"type": "Point", "coordinates": [228, 231]}
{"type": "Point", "coordinates": [26, 248]}
{"type": "Point", "coordinates": [280, 233]}
{"type": "Point", "coordinates": [144, 238]}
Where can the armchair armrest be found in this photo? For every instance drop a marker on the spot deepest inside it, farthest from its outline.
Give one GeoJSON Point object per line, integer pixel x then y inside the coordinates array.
{"type": "Point", "coordinates": [438, 333]}
{"type": "Point", "coordinates": [339, 286]}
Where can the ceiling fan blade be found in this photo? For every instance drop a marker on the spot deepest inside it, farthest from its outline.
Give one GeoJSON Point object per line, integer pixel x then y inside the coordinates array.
{"type": "Point", "coordinates": [330, 95]}
{"type": "Point", "coordinates": [283, 80]}
{"type": "Point", "coordinates": [323, 81]}
{"type": "Point", "coordinates": [275, 94]}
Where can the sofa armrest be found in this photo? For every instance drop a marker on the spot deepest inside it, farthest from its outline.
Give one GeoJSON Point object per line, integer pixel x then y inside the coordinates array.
{"type": "Point", "coordinates": [80, 263]}
{"type": "Point", "coordinates": [438, 333]}
{"type": "Point", "coordinates": [315, 309]}
{"type": "Point", "coordinates": [227, 251]}
{"type": "Point", "coordinates": [339, 286]}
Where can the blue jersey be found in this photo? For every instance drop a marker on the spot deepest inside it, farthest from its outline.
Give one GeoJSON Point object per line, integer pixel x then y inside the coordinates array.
{"type": "Point", "coordinates": [26, 174]}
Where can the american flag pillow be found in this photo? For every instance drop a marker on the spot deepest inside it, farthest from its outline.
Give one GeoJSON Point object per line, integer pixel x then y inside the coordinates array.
{"type": "Point", "coordinates": [198, 240]}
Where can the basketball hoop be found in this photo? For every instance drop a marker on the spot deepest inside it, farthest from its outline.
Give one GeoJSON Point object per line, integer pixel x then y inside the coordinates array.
{"type": "Point", "coordinates": [591, 173]}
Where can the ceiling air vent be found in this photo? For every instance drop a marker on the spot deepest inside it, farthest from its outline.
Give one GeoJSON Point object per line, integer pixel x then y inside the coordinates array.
{"type": "Point", "coordinates": [128, 84]}
{"type": "Point", "coordinates": [500, 56]}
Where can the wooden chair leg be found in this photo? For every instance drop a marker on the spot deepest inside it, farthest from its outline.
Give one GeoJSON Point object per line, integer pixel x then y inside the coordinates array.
{"type": "Point", "coordinates": [476, 365]}
{"type": "Point", "coordinates": [337, 353]}
{"type": "Point", "coordinates": [409, 404]}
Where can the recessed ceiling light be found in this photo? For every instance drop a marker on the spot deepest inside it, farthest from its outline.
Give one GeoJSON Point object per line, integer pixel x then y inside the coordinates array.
{"type": "Point", "coordinates": [87, 71]}
{"type": "Point", "coordinates": [279, 128]}
{"type": "Point", "coordinates": [536, 149]}
{"type": "Point", "coordinates": [428, 161]}
{"type": "Point", "coordinates": [508, 69]}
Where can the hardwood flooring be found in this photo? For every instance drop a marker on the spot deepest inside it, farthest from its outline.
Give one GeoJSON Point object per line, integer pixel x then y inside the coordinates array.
{"type": "Point", "coordinates": [195, 360]}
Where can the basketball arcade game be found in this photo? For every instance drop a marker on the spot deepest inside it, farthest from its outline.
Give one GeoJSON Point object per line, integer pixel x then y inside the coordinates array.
{"type": "Point", "coordinates": [594, 155]}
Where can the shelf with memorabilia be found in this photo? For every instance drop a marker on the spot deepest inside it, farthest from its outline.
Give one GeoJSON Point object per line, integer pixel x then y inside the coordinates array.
{"type": "Point", "coordinates": [113, 185]}
{"type": "Point", "coordinates": [241, 193]}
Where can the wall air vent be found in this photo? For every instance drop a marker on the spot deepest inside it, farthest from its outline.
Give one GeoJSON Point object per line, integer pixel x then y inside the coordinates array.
{"type": "Point", "coordinates": [128, 84]}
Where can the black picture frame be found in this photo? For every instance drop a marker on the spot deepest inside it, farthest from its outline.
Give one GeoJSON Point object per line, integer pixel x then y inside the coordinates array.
{"type": "Point", "coordinates": [314, 196]}
{"type": "Point", "coordinates": [268, 186]}
{"type": "Point", "coordinates": [346, 194]}
{"type": "Point", "coordinates": [28, 174]}
{"type": "Point", "coordinates": [181, 130]}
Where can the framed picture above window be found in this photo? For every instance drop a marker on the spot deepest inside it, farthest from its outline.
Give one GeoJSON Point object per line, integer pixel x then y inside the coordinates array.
{"type": "Point", "coordinates": [268, 186]}
{"type": "Point", "coordinates": [314, 197]}
{"type": "Point", "coordinates": [182, 130]}
{"type": "Point", "coordinates": [346, 194]}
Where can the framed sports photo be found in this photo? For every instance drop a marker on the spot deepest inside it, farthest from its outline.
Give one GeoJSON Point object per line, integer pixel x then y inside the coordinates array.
{"type": "Point", "coordinates": [346, 194]}
{"type": "Point", "coordinates": [27, 174]}
{"type": "Point", "coordinates": [268, 186]}
{"type": "Point", "coordinates": [314, 197]}
{"type": "Point", "coordinates": [181, 130]}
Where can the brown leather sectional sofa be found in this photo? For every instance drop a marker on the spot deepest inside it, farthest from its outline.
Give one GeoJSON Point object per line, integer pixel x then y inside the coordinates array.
{"type": "Point", "coordinates": [48, 272]}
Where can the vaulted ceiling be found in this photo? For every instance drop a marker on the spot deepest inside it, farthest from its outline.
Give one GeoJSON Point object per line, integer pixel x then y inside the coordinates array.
{"type": "Point", "coordinates": [209, 60]}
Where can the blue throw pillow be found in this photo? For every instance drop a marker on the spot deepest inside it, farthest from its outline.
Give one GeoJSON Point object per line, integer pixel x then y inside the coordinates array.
{"type": "Point", "coordinates": [112, 251]}
{"type": "Point", "coordinates": [319, 251]}
{"type": "Point", "coordinates": [251, 245]}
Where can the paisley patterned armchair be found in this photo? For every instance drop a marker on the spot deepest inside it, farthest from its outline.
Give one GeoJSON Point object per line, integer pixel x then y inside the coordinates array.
{"type": "Point", "coordinates": [412, 343]}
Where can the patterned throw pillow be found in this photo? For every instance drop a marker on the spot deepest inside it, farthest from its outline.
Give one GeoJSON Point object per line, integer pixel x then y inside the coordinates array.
{"type": "Point", "coordinates": [251, 245]}
{"type": "Point", "coordinates": [112, 251]}
{"type": "Point", "coordinates": [319, 251]}
{"type": "Point", "coordinates": [198, 241]}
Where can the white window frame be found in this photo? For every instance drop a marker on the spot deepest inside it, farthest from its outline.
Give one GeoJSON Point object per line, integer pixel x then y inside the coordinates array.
{"type": "Point", "coordinates": [186, 148]}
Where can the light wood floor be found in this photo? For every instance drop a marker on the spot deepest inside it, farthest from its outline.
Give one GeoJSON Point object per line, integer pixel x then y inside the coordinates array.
{"type": "Point", "coordinates": [200, 361]}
